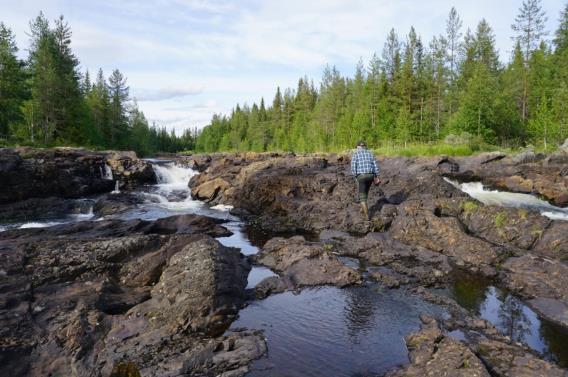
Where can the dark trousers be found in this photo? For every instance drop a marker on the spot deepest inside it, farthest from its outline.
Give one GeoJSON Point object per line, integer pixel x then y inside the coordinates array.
{"type": "Point", "coordinates": [364, 182]}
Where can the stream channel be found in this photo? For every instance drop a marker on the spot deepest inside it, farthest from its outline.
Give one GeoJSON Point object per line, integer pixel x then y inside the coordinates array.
{"type": "Point", "coordinates": [354, 331]}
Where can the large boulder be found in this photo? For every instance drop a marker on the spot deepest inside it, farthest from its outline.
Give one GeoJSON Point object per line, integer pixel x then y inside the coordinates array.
{"type": "Point", "coordinates": [72, 300]}
{"type": "Point", "coordinates": [209, 190]}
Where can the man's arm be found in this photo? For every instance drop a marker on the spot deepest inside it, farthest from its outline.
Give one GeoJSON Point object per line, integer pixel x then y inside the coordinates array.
{"type": "Point", "coordinates": [376, 169]}
{"type": "Point", "coordinates": [353, 164]}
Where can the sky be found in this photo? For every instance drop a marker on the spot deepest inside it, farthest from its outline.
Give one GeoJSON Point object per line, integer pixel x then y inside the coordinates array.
{"type": "Point", "coordinates": [186, 60]}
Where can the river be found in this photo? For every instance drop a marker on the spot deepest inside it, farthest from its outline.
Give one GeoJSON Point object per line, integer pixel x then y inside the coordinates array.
{"type": "Point", "coordinates": [355, 331]}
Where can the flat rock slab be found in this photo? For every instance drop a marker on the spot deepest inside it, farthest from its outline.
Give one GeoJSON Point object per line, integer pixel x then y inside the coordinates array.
{"type": "Point", "coordinates": [305, 263]}
{"type": "Point", "coordinates": [555, 310]}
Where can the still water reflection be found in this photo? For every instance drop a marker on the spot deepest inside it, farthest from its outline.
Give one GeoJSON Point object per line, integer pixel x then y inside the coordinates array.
{"type": "Point", "coordinates": [327, 331]}
{"type": "Point", "coordinates": [511, 317]}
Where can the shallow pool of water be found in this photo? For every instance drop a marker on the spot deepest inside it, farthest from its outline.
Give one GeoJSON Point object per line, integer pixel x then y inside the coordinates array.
{"type": "Point", "coordinates": [327, 331]}
{"type": "Point", "coordinates": [511, 317]}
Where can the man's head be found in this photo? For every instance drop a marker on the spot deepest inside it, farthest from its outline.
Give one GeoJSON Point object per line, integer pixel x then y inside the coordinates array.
{"type": "Point", "coordinates": [361, 144]}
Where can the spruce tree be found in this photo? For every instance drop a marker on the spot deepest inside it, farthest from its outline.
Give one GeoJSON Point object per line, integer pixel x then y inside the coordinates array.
{"type": "Point", "coordinates": [118, 121]}
{"type": "Point", "coordinates": [530, 29]}
{"type": "Point", "coordinates": [453, 36]}
{"type": "Point", "coordinates": [13, 89]}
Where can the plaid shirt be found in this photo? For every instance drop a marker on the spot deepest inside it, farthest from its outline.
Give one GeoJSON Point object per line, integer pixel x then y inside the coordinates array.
{"type": "Point", "coordinates": [363, 162]}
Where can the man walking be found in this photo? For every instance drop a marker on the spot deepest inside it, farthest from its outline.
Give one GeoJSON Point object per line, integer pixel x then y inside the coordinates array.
{"type": "Point", "coordinates": [365, 170]}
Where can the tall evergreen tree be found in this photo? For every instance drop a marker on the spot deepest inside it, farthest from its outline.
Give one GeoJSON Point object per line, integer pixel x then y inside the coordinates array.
{"type": "Point", "coordinates": [118, 121]}
{"type": "Point", "coordinates": [12, 83]}
{"type": "Point", "coordinates": [453, 36]}
{"type": "Point", "coordinates": [530, 29]}
{"type": "Point", "coordinates": [530, 26]}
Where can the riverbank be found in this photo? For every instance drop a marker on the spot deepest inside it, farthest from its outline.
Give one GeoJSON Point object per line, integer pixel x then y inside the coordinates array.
{"type": "Point", "coordinates": [151, 280]}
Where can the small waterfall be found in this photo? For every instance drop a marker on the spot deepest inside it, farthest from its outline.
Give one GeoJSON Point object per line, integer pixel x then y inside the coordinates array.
{"type": "Point", "coordinates": [172, 178]}
{"type": "Point", "coordinates": [510, 199]}
{"type": "Point", "coordinates": [108, 173]}
{"type": "Point", "coordinates": [173, 175]}
{"type": "Point", "coordinates": [116, 189]}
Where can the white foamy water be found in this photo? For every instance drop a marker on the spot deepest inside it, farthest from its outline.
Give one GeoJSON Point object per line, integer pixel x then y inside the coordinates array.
{"type": "Point", "coordinates": [510, 199]}
{"type": "Point", "coordinates": [108, 173]}
{"type": "Point", "coordinates": [222, 207]}
{"type": "Point", "coordinates": [116, 189]}
{"type": "Point", "coordinates": [37, 224]}
{"type": "Point", "coordinates": [172, 177]}
{"type": "Point", "coordinates": [172, 190]}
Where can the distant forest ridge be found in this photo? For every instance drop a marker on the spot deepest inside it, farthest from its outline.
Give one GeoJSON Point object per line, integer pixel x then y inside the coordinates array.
{"type": "Point", "coordinates": [46, 101]}
{"type": "Point", "coordinates": [452, 89]}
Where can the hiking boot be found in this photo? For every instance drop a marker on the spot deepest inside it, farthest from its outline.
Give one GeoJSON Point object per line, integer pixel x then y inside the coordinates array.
{"type": "Point", "coordinates": [365, 210]}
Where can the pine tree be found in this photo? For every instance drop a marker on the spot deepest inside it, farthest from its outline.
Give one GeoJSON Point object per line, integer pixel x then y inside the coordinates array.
{"type": "Point", "coordinates": [403, 126]}
{"type": "Point", "coordinates": [453, 36]}
{"type": "Point", "coordinates": [391, 56]}
{"type": "Point", "coordinates": [118, 121]}
{"type": "Point", "coordinates": [529, 26]}
{"type": "Point", "coordinates": [542, 126]}
{"type": "Point", "coordinates": [55, 81]}
{"type": "Point", "coordinates": [68, 89]}
{"type": "Point", "coordinates": [485, 51]}
{"type": "Point", "coordinates": [438, 48]}
{"type": "Point", "coordinates": [373, 84]}
{"type": "Point", "coordinates": [476, 114]}
{"type": "Point", "coordinates": [561, 35]}
{"type": "Point", "coordinates": [98, 104]}
{"type": "Point", "coordinates": [44, 80]}
{"type": "Point", "coordinates": [13, 89]}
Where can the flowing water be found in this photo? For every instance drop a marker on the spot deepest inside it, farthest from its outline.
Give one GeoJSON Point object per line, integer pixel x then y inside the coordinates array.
{"type": "Point", "coordinates": [83, 211]}
{"type": "Point", "coordinates": [355, 331]}
{"type": "Point", "coordinates": [510, 199]}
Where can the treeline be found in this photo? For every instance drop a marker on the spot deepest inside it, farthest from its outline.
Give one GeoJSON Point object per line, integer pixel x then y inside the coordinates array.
{"type": "Point", "coordinates": [453, 88]}
{"type": "Point", "coordinates": [46, 100]}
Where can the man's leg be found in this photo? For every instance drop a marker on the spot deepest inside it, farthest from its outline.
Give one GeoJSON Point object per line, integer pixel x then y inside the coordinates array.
{"type": "Point", "coordinates": [365, 181]}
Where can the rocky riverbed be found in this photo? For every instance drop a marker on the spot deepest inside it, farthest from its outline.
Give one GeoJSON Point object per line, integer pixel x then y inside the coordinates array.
{"type": "Point", "coordinates": [152, 281]}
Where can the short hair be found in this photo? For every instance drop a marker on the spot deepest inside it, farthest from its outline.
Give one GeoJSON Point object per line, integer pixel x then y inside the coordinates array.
{"type": "Point", "coordinates": [361, 143]}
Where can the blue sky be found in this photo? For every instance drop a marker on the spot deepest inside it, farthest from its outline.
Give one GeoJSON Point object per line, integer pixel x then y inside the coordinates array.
{"type": "Point", "coordinates": [188, 59]}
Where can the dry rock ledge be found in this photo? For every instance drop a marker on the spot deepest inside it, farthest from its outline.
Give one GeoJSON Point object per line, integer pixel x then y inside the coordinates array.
{"type": "Point", "coordinates": [116, 297]}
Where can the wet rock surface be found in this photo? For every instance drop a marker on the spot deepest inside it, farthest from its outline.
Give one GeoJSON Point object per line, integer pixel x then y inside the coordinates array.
{"type": "Point", "coordinates": [156, 297]}
{"type": "Point", "coordinates": [35, 209]}
{"type": "Point", "coordinates": [66, 172]}
{"type": "Point", "coordinates": [422, 228]}
{"type": "Point", "coordinates": [300, 263]}
{"type": "Point", "coordinates": [92, 298]}
{"type": "Point", "coordinates": [434, 354]}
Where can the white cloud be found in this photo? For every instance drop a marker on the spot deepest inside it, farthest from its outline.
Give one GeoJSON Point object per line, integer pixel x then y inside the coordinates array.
{"type": "Point", "coordinates": [163, 93]}
{"type": "Point", "coordinates": [188, 59]}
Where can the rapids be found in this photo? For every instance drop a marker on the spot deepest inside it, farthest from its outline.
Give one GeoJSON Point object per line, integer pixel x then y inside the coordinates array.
{"type": "Point", "coordinates": [510, 199]}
